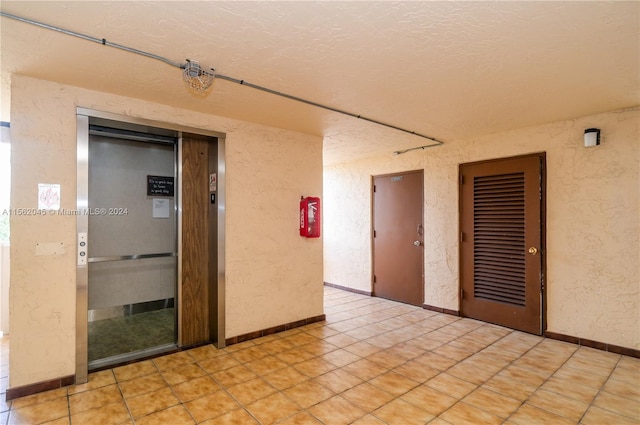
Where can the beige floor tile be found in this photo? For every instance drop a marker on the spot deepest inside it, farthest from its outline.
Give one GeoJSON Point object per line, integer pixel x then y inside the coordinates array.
{"type": "Point", "coordinates": [67, 421]}
{"type": "Point", "coordinates": [96, 380]}
{"type": "Point", "coordinates": [93, 399]}
{"type": "Point", "coordinates": [250, 354]}
{"type": "Point", "coordinates": [505, 386]}
{"type": "Point", "coordinates": [492, 402]}
{"type": "Point", "coordinates": [435, 361]}
{"type": "Point", "coordinates": [416, 371]}
{"type": "Point", "coordinates": [394, 383]}
{"type": "Point", "coordinates": [619, 405]}
{"type": "Point", "coordinates": [38, 398]}
{"type": "Point", "coordinates": [341, 357]}
{"type": "Point", "coordinates": [529, 376]}
{"type": "Point", "coordinates": [211, 406]}
{"type": "Point", "coordinates": [299, 338]}
{"type": "Point", "coordinates": [367, 397]}
{"type": "Point", "coordinates": [365, 369]}
{"type": "Point", "coordinates": [41, 412]}
{"type": "Point", "coordinates": [464, 414]}
{"type": "Point", "coordinates": [172, 361]}
{"type": "Point", "coordinates": [387, 359]}
{"type": "Point", "coordinates": [471, 372]}
{"type": "Point", "coordinates": [219, 363]}
{"type": "Point", "coordinates": [276, 346]}
{"type": "Point", "coordinates": [233, 376]}
{"type": "Point", "coordinates": [302, 418]}
{"type": "Point", "coordinates": [183, 373]}
{"type": "Point", "coordinates": [273, 408]}
{"type": "Point", "coordinates": [308, 393]}
{"type": "Point", "coordinates": [318, 347]}
{"type": "Point", "coordinates": [285, 378]}
{"type": "Point", "coordinates": [558, 404]}
{"type": "Point", "coordinates": [176, 415]}
{"type": "Point", "coordinates": [336, 411]}
{"type": "Point", "coordinates": [195, 388]}
{"type": "Point", "coordinates": [440, 421]}
{"type": "Point", "coordinates": [453, 350]}
{"type": "Point", "coordinates": [338, 380]}
{"type": "Point", "coordinates": [252, 390]}
{"type": "Point", "coordinates": [134, 370]}
{"type": "Point", "coordinates": [623, 389]}
{"type": "Point", "coordinates": [570, 389]}
{"type": "Point", "coordinates": [362, 349]}
{"type": "Point", "coordinates": [137, 386]}
{"type": "Point", "coordinates": [266, 365]}
{"type": "Point", "coordinates": [314, 367]}
{"type": "Point", "coordinates": [429, 399]}
{"type": "Point", "coordinates": [402, 413]}
{"type": "Point", "coordinates": [597, 416]}
{"type": "Point", "coordinates": [341, 340]}
{"type": "Point", "coordinates": [451, 385]}
{"type": "Point", "coordinates": [295, 355]}
{"type": "Point", "coordinates": [597, 357]}
{"type": "Point", "coordinates": [368, 420]}
{"type": "Point", "coordinates": [628, 374]}
{"type": "Point", "coordinates": [322, 332]}
{"type": "Point", "coordinates": [155, 401]}
{"type": "Point", "coordinates": [204, 352]}
{"type": "Point", "coordinates": [531, 415]}
{"type": "Point", "coordinates": [580, 377]}
{"type": "Point", "coordinates": [235, 417]}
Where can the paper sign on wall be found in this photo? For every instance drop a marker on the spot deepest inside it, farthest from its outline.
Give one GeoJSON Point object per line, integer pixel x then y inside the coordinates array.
{"type": "Point", "coordinates": [213, 182]}
{"type": "Point", "coordinates": [161, 208]}
{"type": "Point", "coordinates": [48, 196]}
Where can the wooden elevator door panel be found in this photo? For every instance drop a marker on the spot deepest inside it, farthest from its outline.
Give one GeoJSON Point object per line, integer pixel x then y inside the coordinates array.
{"type": "Point", "coordinates": [194, 323]}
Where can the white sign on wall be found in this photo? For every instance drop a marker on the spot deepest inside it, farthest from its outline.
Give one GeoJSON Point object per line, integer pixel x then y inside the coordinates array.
{"type": "Point", "coordinates": [48, 196]}
{"type": "Point", "coordinates": [161, 208]}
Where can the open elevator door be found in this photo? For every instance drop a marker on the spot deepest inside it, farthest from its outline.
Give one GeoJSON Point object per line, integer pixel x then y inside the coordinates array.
{"type": "Point", "coordinates": [131, 243]}
{"type": "Point", "coordinates": [186, 248]}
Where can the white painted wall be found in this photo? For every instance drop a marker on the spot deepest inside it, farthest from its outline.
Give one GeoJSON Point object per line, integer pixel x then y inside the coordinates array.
{"type": "Point", "coordinates": [593, 221]}
{"type": "Point", "coordinates": [272, 275]}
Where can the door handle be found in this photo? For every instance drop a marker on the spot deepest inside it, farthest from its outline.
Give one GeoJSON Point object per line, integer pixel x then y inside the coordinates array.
{"type": "Point", "coordinates": [417, 243]}
{"type": "Point", "coordinates": [533, 250]}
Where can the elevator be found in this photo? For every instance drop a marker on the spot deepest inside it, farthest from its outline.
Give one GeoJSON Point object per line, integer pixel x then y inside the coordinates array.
{"type": "Point", "coordinates": [150, 263]}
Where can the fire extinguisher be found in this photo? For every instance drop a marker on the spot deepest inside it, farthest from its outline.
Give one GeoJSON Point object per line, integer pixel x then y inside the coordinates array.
{"type": "Point", "coordinates": [310, 217]}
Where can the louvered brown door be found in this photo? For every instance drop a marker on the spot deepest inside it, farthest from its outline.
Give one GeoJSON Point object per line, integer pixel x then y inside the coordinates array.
{"type": "Point", "coordinates": [502, 253]}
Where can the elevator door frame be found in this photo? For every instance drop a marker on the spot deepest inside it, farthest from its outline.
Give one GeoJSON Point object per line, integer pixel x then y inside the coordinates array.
{"type": "Point", "coordinates": [83, 115]}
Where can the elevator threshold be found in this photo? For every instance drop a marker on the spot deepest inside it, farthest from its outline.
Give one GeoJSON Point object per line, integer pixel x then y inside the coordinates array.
{"type": "Point", "coordinates": [122, 359]}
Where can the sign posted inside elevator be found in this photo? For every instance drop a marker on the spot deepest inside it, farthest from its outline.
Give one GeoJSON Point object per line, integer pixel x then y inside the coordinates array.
{"type": "Point", "coordinates": [159, 186]}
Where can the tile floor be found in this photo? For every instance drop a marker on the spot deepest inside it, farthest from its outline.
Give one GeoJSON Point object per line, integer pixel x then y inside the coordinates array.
{"type": "Point", "coordinates": [372, 362]}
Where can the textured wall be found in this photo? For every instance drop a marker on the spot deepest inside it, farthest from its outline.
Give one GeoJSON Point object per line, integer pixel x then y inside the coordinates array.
{"type": "Point", "coordinates": [268, 265]}
{"type": "Point", "coordinates": [593, 221]}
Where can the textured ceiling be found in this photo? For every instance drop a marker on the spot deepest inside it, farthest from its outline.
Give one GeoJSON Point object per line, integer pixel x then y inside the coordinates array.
{"type": "Point", "coordinates": [451, 70]}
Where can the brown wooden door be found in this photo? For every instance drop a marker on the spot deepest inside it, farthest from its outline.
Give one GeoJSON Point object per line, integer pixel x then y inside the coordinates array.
{"type": "Point", "coordinates": [502, 237]}
{"type": "Point", "coordinates": [398, 237]}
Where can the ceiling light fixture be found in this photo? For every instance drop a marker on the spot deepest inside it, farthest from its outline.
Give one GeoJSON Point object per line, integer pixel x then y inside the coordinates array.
{"type": "Point", "coordinates": [201, 79]}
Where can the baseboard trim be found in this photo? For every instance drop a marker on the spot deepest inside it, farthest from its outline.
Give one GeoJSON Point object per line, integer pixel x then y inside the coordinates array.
{"type": "Point", "coordinates": [631, 352]}
{"type": "Point", "coordinates": [441, 310]}
{"type": "Point", "coordinates": [38, 387]}
{"type": "Point", "coordinates": [345, 288]}
{"type": "Point", "coordinates": [274, 329]}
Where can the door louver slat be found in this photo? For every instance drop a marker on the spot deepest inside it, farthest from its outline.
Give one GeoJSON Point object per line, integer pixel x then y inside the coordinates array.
{"type": "Point", "coordinates": [499, 238]}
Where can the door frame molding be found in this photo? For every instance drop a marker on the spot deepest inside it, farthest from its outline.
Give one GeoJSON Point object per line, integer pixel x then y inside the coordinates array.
{"type": "Point", "coordinates": [82, 222]}
{"type": "Point", "coordinates": [542, 156]}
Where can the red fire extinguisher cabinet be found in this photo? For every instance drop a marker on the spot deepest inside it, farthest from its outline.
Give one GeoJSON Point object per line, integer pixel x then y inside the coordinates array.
{"type": "Point", "coordinates": [310, 217]}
